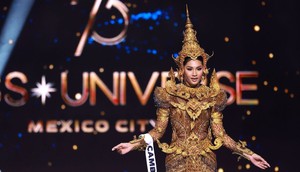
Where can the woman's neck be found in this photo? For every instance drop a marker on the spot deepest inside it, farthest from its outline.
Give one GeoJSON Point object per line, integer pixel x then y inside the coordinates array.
{"type": "Point", "coordinates": [188, 85]}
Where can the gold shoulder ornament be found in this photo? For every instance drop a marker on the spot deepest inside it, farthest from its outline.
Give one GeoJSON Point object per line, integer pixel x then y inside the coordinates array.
{"type": "Point", "coordinates": [196, 99]}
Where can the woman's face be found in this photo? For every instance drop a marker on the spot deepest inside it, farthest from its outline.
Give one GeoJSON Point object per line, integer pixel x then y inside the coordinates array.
{"type": "Point", "coordinates": [193, 71]}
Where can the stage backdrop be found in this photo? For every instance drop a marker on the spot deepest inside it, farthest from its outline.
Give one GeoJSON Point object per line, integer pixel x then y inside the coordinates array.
{"type": "Point", "coordinates": [77, 78]}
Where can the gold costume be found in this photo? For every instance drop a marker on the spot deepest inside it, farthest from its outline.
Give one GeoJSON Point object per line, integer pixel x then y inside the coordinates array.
{"type": "Point", "coordinates": [195, 115]}
{"type": "Point", "coordinates": [196, 119]}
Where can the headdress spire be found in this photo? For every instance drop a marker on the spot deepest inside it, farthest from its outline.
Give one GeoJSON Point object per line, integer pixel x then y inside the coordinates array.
{"type": "Point", "coordinates": [191, 47]}
{"type": "Point", "coordinates": [188, 15]}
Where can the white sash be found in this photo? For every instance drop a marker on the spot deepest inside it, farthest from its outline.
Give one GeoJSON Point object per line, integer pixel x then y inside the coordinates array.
{"type": "Point", "coordinates": [150, 154]}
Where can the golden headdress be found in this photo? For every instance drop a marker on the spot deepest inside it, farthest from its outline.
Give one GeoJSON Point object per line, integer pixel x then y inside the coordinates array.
{"type": "Point", "coordinates": [190, 48]}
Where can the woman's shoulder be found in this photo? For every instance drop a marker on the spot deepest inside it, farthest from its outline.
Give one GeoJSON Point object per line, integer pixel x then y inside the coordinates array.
{"type": "Point", "coordinates": [160, 93]}
{"type": "Point", "coordinates": [221, 100]}
{"type": "Point", "coordinates": [161, 97]}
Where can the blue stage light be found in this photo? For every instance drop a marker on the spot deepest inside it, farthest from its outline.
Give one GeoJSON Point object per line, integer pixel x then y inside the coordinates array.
{"type": "Point", "coordinates": [12, 28]}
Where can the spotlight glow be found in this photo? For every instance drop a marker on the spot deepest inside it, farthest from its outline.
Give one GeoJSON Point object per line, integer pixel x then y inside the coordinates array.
{"type": "Point", "coordinates": [12, 28]}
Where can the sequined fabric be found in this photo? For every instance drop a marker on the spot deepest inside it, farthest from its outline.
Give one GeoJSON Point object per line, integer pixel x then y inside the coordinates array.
{"type": "Point", "coordinates": [197, 129]}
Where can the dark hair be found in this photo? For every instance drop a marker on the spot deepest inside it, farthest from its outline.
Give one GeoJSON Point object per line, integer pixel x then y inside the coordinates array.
{"type": "Point", "coordinates": [187, 59]}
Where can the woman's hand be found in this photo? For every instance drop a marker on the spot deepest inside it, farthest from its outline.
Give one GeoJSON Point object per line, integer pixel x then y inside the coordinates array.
{"type": "Point", "coordinates": [258, 161]}
{"type": "Point", "coordinates": [123, 148]}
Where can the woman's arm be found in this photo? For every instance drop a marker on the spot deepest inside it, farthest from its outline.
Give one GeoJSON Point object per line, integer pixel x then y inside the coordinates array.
{"type": "Point", "coordinates": [219, 132]}
{"type": "Point", "coordinates": [161, 123]}
{"type": "Point", "coordinates": [237, 147]}
{"type": "Point", "coordinates": [153, 135]}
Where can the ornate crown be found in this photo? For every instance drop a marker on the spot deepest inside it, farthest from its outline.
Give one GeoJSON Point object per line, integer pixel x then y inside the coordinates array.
{"type": "Point", "coordinates": [190, 47]}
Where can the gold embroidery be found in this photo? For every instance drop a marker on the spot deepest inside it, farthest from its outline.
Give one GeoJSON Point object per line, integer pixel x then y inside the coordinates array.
{"type": "Point", "coordinates": [242, 149]}
{"type": "Point", "coordinates": [141, 146]}
{"type": "Point", "coordinates": [196, 99]}
{"type": "Point", "coordinates": [216, 117]}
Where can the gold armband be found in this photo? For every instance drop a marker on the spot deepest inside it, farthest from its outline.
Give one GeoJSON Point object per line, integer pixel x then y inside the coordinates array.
{"type": "Point", "coordinates": [141, 146]}
{"type": "Point", "coordinates": [217, 117]}
{"type": "Point", "coordinates": [242, 149]}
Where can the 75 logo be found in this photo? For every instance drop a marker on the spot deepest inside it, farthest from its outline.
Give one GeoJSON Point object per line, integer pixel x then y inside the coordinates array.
{"type": "Point", "coordinates": [98, 38]}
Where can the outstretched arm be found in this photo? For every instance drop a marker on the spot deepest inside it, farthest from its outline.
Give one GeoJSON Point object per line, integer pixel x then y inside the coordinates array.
{"type": "Point", "coordinates": [123, 148]}
{"type": "Point", "coordinates": [258, 161]}
{"type": "Point", "coordinates": [237, 147]}
{"type": "Point", "coordinates": [153, 135]}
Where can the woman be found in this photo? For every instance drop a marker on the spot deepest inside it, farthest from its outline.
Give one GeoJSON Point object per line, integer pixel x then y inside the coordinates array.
{"type": "Point", "coordinates": [195, 113]}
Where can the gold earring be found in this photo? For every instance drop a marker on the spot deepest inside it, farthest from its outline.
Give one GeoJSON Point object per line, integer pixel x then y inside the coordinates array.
{"type": "Point", "coordinates": [203, 77]}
